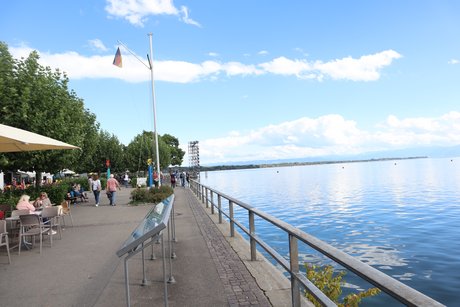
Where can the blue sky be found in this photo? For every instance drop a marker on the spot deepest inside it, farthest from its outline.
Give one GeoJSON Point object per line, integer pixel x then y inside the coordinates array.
{"type": "Point", "coordinates": [257, 80]}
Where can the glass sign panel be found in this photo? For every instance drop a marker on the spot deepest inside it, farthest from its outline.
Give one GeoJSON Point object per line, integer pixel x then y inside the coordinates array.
{"type": "Point", "coordinates": [154, 222]}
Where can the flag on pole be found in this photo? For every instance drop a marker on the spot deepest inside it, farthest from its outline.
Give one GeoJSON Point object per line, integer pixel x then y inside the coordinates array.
{"type": "Point", "coordinates": [117, 59]}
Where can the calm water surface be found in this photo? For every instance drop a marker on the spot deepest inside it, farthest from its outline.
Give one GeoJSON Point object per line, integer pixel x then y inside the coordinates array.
{"type": "Point", "coordinates": [402, 217]}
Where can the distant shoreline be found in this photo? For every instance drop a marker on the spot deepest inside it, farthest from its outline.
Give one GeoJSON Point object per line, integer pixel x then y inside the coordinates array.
{"type": "Point", "coordinates": [286, 164]}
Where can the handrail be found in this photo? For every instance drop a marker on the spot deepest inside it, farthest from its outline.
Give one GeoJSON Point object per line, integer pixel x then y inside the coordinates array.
{"type": "Point", "coordinates": [391, 286]}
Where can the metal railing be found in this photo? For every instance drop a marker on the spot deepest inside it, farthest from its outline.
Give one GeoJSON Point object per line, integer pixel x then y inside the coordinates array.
{"type": "Point", "coordinates": [401, 292]}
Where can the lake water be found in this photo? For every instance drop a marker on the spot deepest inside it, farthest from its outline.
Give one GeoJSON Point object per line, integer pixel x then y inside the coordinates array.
{"type": "Point", "coordinates": [402, 216]}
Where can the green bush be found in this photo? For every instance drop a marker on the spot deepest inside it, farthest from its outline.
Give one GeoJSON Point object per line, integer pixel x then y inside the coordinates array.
{"type": "Point", "coordinates": [84, 182]}
{"type": "Point", "coordinates": [8, 199]}
{"type": "Point", "coordinates": [323, 278]}
{"type": "Point", "coordinates": [56, 193]}
{"type": "Point", "coordinates": [154, 195]}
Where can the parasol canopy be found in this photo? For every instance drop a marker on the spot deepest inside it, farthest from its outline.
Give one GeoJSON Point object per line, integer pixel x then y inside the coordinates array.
{"type": "Point", "coordinates": [17, 140]}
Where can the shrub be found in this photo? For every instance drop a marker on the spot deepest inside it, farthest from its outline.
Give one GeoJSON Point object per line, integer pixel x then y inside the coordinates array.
{"type": "Point", "coordinates": [56, 193]}
{"type": "Point", "coordinates": [8, 199]}
{"type": "Point", "coordinates": [153, 195]}
{"type": "Point", "coordinates": [84, 182]}
{"type": "Point", "coordinates": [324, 279]}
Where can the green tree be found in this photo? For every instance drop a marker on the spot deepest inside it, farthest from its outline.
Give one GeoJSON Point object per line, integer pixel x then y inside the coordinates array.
{"type": "Point", "coordinates": [142, 148]}
{"type": "Point", "coordinates": [177, 154]}
{"type": "Point", "coordinates": [39, 100]}
{"type": "Point", "coordinates": [108, 148]}
{"type": "Point", "coordinates": [138, 151]}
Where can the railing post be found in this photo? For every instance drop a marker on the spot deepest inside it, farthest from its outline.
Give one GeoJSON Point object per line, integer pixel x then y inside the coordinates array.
{"type": "Point", "coordinates": [172, 254]}
{"type": "Point", "coordinates": [206, 199]}
{"type": "Point", "coordinates": [212, 202]}
{"type": "Point", "coordinates": [219, 206]}
{"type": "Point", "coordinates": [202, 194]}
{"type": "Point", "coordinates": [252, 231]}
{"type": "Point", "coordinates": [294, 262]}
{"type": "Point", "coordinates": [232, 224]}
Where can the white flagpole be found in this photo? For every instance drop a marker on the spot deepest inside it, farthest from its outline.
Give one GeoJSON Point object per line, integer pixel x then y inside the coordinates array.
{"type": "Point", "coordinates": [154, 112]}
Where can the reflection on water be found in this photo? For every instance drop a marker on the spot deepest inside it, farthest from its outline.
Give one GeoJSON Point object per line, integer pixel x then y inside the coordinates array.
{"type": "Point", "coordinates": [399, 216]}
{"type": "Point", "coordinates": [381, 256]}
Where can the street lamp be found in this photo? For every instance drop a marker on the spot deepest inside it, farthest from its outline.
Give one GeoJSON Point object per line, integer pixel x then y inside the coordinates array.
{"type": "Point", "coordinates": [150, 59]}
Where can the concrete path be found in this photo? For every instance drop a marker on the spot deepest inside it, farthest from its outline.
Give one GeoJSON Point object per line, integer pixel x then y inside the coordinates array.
{"type": "Point", "coordinates": [82, 269]}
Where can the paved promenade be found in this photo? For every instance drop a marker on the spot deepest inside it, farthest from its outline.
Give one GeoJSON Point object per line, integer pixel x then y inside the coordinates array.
{"type": "Point", "coordinates": [82, 269]}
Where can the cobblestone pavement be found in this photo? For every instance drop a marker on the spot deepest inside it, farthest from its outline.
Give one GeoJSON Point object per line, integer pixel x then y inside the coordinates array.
{"type": "Point", "coordinates": [239, 285]}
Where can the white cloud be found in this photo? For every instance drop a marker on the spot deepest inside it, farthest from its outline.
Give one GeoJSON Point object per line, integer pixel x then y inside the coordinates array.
{"type": "Point", "coordinates": [263, 52]}
{"type": "Point", "coordinates": [329, 135]}
{"type": "Point", "coordinates": [285, 66]}
{"type": "Point", "coordinates": [186, 19]}
{"type": "Point", "coordinates": [77, 66]}
{"type": "Point", "coordinates": [136, 12]}
{"type": "Point", "coordinates": [438, 131]}
{"type": "Point", "coordinates": [454, 61]}
{"type": "Point", "coordinates": [366, 68]}
{"type": "Point", "coordinates": [97, 44]}
{"type": "Point", "coordinates": [236, 68]}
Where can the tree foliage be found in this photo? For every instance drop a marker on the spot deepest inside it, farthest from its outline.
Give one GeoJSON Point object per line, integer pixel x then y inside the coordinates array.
{"type": "Point", "coordinates": [38, 99]}
{"type": "Point", "coordinates": [142, 148]}
{"type": "Point", "coordinates": [331, 285]}
{"type": "Point", "coordinates": [177, 154]}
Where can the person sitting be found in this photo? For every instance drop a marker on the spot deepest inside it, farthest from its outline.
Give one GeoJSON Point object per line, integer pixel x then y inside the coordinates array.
{"type": "Point", "coordinates": [25, 204]}
{"type": "Point", "coordinates": [70, 197]}
{"type": "Point", "coordinates": [81, 192]}
{"type": "Point", "coordinates": [42, 201]}
{"type": "Point", "coordinates": [74, 190]}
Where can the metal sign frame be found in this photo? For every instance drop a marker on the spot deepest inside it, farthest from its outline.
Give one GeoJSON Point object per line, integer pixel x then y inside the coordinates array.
{"type": "Point", "coordinates": [150, 228]}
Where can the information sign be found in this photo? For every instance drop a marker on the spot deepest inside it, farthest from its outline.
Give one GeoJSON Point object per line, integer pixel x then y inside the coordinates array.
{"type": "Point", "coordinates": [152, 224]}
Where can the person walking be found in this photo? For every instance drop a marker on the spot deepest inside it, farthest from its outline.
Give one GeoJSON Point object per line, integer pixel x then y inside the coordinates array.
{"type": "Point", "coordinates": [173, 180]}
{"type": "Point", "coordinates": [112, 186]}
{"type": "Point", "coordinates": [182, 179]}
{"type": "Point", "coordinates": [95, 186]}
{"type": "Point", "coordinates": [126, 180]}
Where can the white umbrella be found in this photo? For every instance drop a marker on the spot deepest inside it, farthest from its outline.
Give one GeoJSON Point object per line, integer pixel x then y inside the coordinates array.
{"type": "Point", "coordinates": [67, 172]}
{"type": "Point", "coordinates": [16, 140]}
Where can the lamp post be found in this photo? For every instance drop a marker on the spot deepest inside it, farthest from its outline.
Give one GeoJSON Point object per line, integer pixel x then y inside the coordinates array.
{"type": "Point", "coordinates": [154, 102]}
{"type": "Point", "coordinates": [154, 112]}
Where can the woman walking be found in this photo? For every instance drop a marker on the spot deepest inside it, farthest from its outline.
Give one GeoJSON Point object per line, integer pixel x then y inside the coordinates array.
{"type": "Point", "coordinates": [95, 185]}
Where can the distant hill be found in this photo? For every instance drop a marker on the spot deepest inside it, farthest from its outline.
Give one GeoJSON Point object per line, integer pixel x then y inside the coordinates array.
{"type": "Point", "coordinates": [426, 152]}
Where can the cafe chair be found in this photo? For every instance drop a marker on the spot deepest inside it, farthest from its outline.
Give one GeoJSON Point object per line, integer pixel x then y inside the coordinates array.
{"type": "Point", "coordinates": [4, 239]}
{"type": "Point", "coordinates": [19, 212]}
{"type": "Point", "coordinates": [14, 223]}
{"type": "Point", "coordinates": [66, 212]}
{"type": "Point", "coordinates": [31, 226]}
{"type": "Point", "coordinates": [51, 221]}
